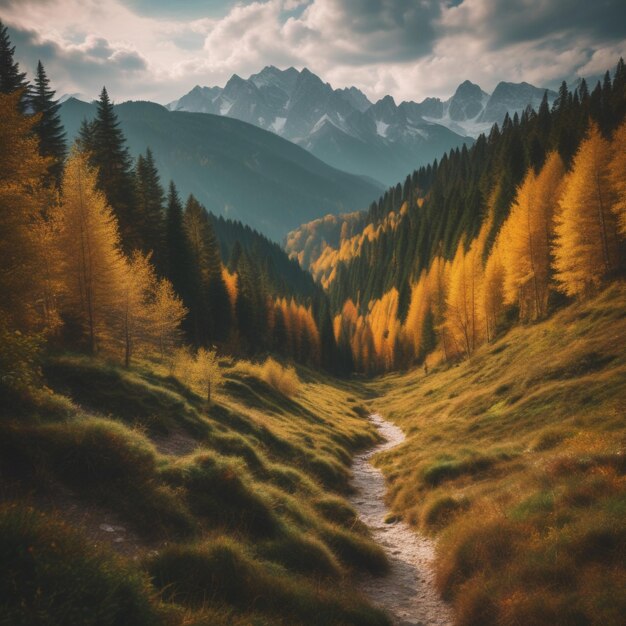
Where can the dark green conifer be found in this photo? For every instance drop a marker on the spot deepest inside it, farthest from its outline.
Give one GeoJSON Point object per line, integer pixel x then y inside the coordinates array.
{"type": "Point", "coordinates": [49, 128]}
{"type": "Point", "coordinates": [11, 79]}
{"type": "Point", "coordinates": [115, 177]}
{"type": "Point", "coordinates": [180, 269]}
{"type": "Point", "coordinates": [150, 200]}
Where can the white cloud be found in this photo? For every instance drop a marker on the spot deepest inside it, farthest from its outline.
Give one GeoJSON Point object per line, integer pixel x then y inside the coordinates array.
{"type": "Point", "coordinates": [408, 48]}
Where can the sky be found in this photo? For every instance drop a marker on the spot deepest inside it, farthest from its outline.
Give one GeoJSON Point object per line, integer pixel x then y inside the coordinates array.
{"type": "Point", "coordinates": [411, 49]}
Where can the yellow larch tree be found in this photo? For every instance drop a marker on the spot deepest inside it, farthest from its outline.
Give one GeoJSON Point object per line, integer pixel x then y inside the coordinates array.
{"type": "Point", "coordinates": [586, 247]}
{"type": "Point", "coordinates": [206, 372]}
{"type": "Point", "coordinates": [493, 290]}
{"type": "Point", "coordinates": [166, 315]}
{"type": "Point", "coordinates": [419, 305]}
{"type": "Point", "coordinates": [385, 327]}
{"type": "Point", "coordinates": [464, 318]}
{"type": "Point", "coordinates": [22, 200]}
{"type": "Point", "coordinates": [528, 237]}
{"type": "Point", "coordinates": [438, 285]}
{"type": "Point", "coordinates": [89, 238]}
{"type": "Point", "coordinates": [133, 315]}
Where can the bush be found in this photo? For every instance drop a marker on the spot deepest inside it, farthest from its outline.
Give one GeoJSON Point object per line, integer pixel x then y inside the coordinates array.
{"type": "Point", "coordinates": [284, 379]}
{"type": "Point", "coordinates": [19, 366]}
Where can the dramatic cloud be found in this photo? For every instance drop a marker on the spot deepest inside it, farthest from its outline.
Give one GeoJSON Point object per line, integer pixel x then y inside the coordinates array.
{"type": "Point", "coordinates": [158, 49]}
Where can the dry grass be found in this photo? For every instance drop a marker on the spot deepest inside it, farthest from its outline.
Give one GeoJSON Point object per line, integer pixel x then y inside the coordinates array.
{"type": "Point", "coordinates": [258, 486]}
{"type": "Point", "coordinates": [283, 378]}
{"type": "Point", "coordinates": [517, 459]}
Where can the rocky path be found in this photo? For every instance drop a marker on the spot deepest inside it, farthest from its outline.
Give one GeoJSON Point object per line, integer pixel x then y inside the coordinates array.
{"type": "Point", "coordinates": [408, 592]}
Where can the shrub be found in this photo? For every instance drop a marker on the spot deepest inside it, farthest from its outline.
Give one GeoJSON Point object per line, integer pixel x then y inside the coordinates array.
{"type": "Point", "coordinates": [282, 378]}
{"type": "Point", "coordinates": [19, 366]}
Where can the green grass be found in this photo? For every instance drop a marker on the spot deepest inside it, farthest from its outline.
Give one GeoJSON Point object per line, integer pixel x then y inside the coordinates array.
{"type": "Point", "coordinates": [516, 460]}
{"type": "Point", "coordinates": [233, 516]}
{"type": "Point", "coordinates": [51, 576]}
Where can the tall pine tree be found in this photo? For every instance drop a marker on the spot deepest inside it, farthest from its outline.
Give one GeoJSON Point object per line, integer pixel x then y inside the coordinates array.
{"type": "Point", "coordinates": [49, 128]}
{"type": "Point", "coordinates": [150, 200]}
{"type": "Point", "coordinates": [11, 79]}
{"type": "Point", "coordinates": [179, 265]}
{"type": "Point", "coordinates": [109, 155]}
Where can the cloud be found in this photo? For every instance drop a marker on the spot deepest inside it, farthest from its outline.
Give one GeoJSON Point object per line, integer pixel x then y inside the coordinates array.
{"type": "Point", "coordinates": [83, 66]}
{"type": "Point", "coordinates": [409, 48]}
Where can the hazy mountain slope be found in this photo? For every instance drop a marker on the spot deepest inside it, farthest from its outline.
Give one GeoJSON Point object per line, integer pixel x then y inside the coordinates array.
{"type": "Point", "coordinates": [233, 168]}
{"type": "Point", "coordinates": [340, 126]}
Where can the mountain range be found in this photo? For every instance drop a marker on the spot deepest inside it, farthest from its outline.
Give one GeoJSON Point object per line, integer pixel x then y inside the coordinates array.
{"type": "Point", "coordinates": [382, 140]}
{"type": "Point", "coordinates": [235, 169]}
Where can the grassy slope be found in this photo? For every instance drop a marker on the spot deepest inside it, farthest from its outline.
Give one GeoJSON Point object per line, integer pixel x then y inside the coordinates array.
{"type": "Point", "coordinates": [232, 518]}
{"type": "Point", "coordinates": [516, 458]}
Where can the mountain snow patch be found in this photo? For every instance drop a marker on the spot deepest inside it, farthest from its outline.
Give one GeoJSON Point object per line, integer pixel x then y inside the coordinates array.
{"type": "Point", "coordinates": [278, 124]}
{"type": "Point", "coordinates": [381, 128]}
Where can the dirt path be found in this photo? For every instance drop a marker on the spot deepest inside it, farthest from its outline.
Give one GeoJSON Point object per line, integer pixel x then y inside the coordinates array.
{"type": "Point", "coordinates": [408, 592]}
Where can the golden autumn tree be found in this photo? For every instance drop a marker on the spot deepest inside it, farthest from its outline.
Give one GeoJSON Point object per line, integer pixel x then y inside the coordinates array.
{"type": "Point", "coordinates": [493, 290]}
{"type": "Point", "coordinates": [133, 314]}
{"type": "Point", "coordinates": [617, 176]}
{"type": "Point", "coordinates": [464, 313]}
{"type": "Point", "coordinates": [438, 285]}
{"type": "Point", "coordinates": [586, 247]}
{"type": "Point", "coordinates": [22, 200]}
{"type": "Point", "coordinates": [50, 276]}
{"type": "Point", "coordinates": [419, 305]}
{"type": "Point", "coordinates": [528, 233]}
{"type": "Point", "coordinates": [385, 328]}
{"type": "Point", "coordinates": [89, 238]}
{"type": "Point", "coordinates": [166, 315]}
{"type": "Point", "coordinates": [207, 373]}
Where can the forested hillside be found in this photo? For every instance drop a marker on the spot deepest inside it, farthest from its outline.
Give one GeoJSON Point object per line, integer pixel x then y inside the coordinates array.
{"type": "Point", "coordinates": [145, 477]}
{"type": "Point", "coordinates": [234, 169]}
{"type": "Point", "coordinates": [531, 214]}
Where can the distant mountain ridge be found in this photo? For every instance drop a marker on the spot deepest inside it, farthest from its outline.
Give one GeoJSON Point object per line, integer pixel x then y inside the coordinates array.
{"type": "Point", "coordinates": [235, 169]}
{"type": "Point", "coordinates": [382, 140]}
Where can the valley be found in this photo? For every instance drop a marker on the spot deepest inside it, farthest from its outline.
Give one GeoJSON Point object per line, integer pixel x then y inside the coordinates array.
{"type": "Point", "coordinates": [409, 412]}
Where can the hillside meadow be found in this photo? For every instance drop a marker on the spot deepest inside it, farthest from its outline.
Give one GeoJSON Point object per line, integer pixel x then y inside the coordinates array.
{"type": "Point", "coordinates": [514, 460]}
{"type": "Point", "coordinates": [125, 500]}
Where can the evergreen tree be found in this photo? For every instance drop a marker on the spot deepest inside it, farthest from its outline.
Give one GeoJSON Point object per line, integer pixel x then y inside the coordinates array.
{"type": "Point", "coordinates": [617, 176]}
{"type": "Point", "coordinates": [49, 128]}
{"type": "Point", "coordinates": [213, 303]}
{"type": "Point", "coordinates": [150, 200]}
{"type": "Point", "coordinates": [11, 79]}
{"type": "Point", "coordinates": [110, 156]}
{"type": "Point", "coordinates": [85, 141]}
{"type": "Point", "coordinates": [180, 269]}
